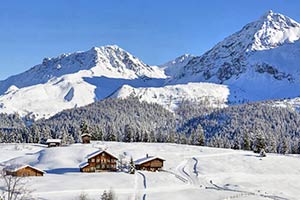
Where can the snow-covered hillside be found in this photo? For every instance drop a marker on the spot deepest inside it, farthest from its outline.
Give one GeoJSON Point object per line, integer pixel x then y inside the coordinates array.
{"type": "Point", "coordinates": [171, 96]}
{"type": "Point", "coordinates": [258, 62]}
{"type": "Point", "coordinates": [72, 80]}
{"type": "Point", "coordinates": [190, 172]}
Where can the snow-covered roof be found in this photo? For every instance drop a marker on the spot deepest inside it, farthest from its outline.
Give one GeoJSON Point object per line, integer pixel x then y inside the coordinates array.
{"type": "Point", "coordinates": [99, 152]}
{"type": "Point", "coordinates": [16, 167]}
{"type": "Point", "coordinates": [147, 159]}
{"type": "Point", "coordinates": [53, 141]}
{"type": "Point", "coordinates": [86, 134]}
{"type": "Point", "coordinates": [84, 164]}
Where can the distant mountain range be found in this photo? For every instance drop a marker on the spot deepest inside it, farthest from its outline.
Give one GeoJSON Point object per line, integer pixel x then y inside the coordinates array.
{"type": "Point", "coordinates": [259, 62]}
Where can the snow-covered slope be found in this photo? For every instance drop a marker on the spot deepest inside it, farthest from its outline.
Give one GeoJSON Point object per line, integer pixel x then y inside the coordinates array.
{"type": "Point", "coordinates": [72, 80]}
{"type": "Point", "coordinates": [172, 67]}
{"type": "Point", "coordinates": [259, 62]}
{"type": "Point", "coordinates": [171, 96]}
{"type": "Point", "coordinates": [190, 172]}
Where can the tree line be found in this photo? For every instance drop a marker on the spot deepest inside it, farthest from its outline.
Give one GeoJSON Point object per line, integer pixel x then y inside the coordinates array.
{"type": "Point", "coordinates": [250, 126]}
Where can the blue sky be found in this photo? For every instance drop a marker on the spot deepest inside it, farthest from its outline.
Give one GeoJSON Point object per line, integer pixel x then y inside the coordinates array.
{"type": "Point", "coordinates": [155, 31]}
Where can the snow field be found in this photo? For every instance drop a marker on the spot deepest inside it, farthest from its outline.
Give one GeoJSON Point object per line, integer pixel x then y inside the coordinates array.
{"type": "Point", "coordinates": [191, 172]}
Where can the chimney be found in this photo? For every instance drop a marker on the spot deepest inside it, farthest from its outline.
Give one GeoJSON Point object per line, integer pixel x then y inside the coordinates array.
{"type": "Point", "coordinates": [147, 156]}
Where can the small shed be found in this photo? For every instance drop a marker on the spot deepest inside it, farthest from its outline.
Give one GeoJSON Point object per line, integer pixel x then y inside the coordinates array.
{"type": "Point", "coordinates": [86, 138]}
{"type": "Point", "coordinates": [23, 170]}
{"type": "Point", "coordinates": [53, 142]}
{"type": "Point", "coordinates": [99, 161]}
{"type": "Point", "coordinates": [149, 163]}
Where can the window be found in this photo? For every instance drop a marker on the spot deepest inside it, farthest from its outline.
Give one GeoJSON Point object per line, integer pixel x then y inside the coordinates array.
{"type": "Point", "coordinates": [93, 160]}
{"type": "Point", "coordinates": [97, 166]}
{"type": "Point", "coordinates": [97, 160]}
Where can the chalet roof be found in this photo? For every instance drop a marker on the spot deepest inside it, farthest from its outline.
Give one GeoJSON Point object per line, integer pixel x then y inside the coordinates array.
{"type": "Point", "coordinates": [84, 164]}
{"type": "Point", "coordinates": [99, 152]}
{"type": "Point", "coordinates": [53, 141]}
{"type": "Point", "coordinates": [16, 167]}
{"type": "Point", "coordinates": [147, 159]}
{"type": "Point", "coordinates": [86, 134]}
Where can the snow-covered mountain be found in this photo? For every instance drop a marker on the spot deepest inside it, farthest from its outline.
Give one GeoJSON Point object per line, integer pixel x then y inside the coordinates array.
{"type": "Point", "coordinates": [173, 66]}
{"type": "Point", "coordinates": [108, 61]}
{"type": "Point", "coordinates": [171, 96]}
{"type": "Point", "coordinates": [258, 62]}
{"type": "Point", "coordinates": [75, 79]}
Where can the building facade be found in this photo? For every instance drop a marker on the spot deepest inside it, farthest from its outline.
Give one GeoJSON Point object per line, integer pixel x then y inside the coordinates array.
{"type": "Point", "coordinates": [99, 161]}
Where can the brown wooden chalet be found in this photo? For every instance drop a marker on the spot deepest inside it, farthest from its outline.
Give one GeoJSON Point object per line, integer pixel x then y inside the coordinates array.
{"type": "Point", "coordinates": [53, 142]}
{"type": "Point", "coordinates": [149, 163]}
{"type": "Point", "coordinates": [86, 138]}
{"type": "Point", "coordinates": [23, 170]}
{"type": "Point", "coordinates": [99, 161]}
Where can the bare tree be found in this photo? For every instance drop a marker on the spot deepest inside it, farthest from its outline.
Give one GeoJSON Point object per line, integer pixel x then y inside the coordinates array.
{"type": "Point", "coordinates": [14, 188]}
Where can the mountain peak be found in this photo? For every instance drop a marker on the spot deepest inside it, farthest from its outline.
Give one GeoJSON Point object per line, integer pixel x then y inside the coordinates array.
{"type": "Point", "coordinates": [268, 14]}
{"type": "Point", "coordinates": [273, 30]}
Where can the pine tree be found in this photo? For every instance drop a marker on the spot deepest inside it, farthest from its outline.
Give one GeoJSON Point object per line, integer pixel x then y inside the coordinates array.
{"type": "Point", "coordinates": [84, 127]}
{"type": "Point", "coordinates": [246, 142]}
{"type": "Point", "coordinates": [283, 146]}
{"type": "Point", "coordinates": [128, 132]}
{"type": "Point", "coordinates": [108, 195]}
{"type": "Point", "coordinates": [259, 143]}
{"type": "Point", "coordinates": [199, 136]}
{"type": "Point", "coordinates": [131, 166]}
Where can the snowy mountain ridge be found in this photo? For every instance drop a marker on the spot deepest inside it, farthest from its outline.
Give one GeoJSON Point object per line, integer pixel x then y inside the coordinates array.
{"type": "Point", "coordinates": [72, 80]}
{"type": "Point", "coordinates": [263, 53]}
{"type": "Point", "coordinates": [274, 29]}
{"type": "Point", "coordinates": [109, 61]}
{"type": "Point", "coordinates": [259, 62]}
{"type": "Point", "coordinates": [173, 66]}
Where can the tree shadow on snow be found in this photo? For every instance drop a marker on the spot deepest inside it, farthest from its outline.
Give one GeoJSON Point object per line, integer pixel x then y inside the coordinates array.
{"type": "Point", "coordinates": [63, 170]}
{"type": "Point", "coordinates": [251, 155]}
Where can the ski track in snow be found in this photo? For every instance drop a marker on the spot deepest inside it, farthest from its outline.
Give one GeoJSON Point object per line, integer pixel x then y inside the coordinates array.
{"type": "Point", "coordinates": [195, 166]}
{"type": "Point", "coordinates": [145, 184]}
{"type": "Point", "coordinates": [183, 169]}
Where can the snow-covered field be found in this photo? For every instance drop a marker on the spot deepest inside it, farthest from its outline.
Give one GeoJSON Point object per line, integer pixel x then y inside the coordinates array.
{"type": "Point", "coordinates": [190, 173]}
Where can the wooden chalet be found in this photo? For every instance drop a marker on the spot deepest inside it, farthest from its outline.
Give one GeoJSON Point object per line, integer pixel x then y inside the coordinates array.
{"type": "Point", "coordinates": [99, 161]}
{"type": "Point", "coordinates": [23, 170]}
{"type": "Point", "coordinates": [53, 142]}
{"type": "Point", "coordinates": [86, 138]}
{"type": "Point", "coordinates": [149, 163]}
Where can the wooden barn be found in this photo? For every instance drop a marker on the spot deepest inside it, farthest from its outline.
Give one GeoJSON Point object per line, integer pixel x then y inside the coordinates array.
{"type": "Point", "coordinates": [53, 142]}
{"type": "Point", "coordinates": [86, 138]}
{"type": "Point", "coordinates": [149, 163]}
{"type": "Point", "coordinates": [23, 170]}
{"type": "Point", "coordinates": [99, 161]}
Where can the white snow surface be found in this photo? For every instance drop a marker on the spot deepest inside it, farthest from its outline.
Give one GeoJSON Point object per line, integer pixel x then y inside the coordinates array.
{"type": "Point", "coordinates": [172, 95]}
{"type": "Point", "coordinates": [190, 172]}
